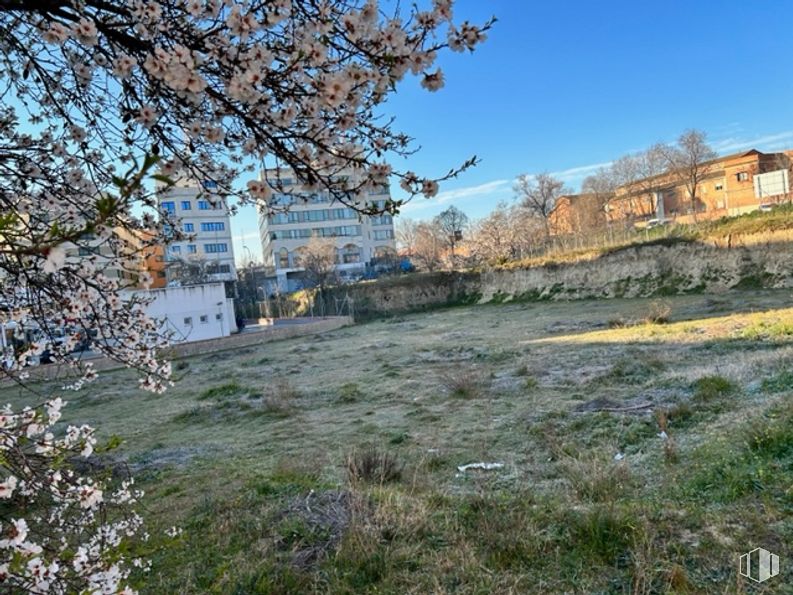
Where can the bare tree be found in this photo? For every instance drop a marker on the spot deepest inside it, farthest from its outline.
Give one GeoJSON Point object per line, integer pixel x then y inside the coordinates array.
{"type": "Point", "coordinates": [640, 176]}
{"type": "Point", "coordinates": [507, 233]}
{"type": "Point", "coordinates": [451, 223]}
{"type": "Point", "coordinates": [406, 234]}
{"type": "Point", "coordinates": [538, 195]}
{"type": "Point", "coordinates": [318, 261]}
{"type": "Point", "coordinates": [428, 248]}
{"type": "Point", "coordinates": [602, 185]}
{"type": "Point", "coordinates": [689, 162]}
{"type": "Point", "coordinates": [490, 237]}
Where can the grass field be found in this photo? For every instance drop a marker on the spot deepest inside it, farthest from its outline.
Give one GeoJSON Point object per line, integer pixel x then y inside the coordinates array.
{"type": "Point", "coordinates": [329, 463]}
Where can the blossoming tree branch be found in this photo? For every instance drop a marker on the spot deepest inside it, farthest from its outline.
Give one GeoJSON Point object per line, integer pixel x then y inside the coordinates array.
{"type": "Point", "coordinates": [98, 98]}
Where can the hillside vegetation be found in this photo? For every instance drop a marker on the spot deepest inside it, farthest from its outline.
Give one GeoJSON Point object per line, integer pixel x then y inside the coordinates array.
{"type": "Point", "coordinates": [644, 445]}
{"type": "Point", "coordinates": [763, 225]}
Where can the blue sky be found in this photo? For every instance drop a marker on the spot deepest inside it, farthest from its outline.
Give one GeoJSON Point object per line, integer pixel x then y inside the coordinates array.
{"type": "Point", "coordinates": [566, 86]}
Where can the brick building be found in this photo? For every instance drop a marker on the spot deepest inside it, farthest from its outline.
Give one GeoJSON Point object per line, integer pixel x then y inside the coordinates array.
{"type": "Point", "coordinates": [730, 185]}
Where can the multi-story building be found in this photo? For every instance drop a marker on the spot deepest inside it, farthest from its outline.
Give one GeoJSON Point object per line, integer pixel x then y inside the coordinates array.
{"type": "Point", "coordinates": [122, 256]}
{"type": "Point", "coordinates": [730, 185]}
{"type": "Point", "coordinates": [204, 217]}
{"type": "Point", "coordinates": [361, 241]}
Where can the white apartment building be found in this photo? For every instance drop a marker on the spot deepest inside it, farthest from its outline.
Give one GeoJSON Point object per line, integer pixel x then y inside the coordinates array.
{"type": "Point", "coordinates": [205, 217]}
{"type": "Point", "coordinates": [360, 240]}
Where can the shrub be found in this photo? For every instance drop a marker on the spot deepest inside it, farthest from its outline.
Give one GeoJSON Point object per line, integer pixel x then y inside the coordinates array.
{"type": "Point", "coordinates": [371, 465]}
{"type": "Point", "coordinates": [464, 384]}
{"type": "Point", "coordinates": [659, 312]}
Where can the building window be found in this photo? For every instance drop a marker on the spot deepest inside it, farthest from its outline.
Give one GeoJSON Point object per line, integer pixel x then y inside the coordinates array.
{"type": "Point", "coordinates": [186, 205]}
{"type": "Point", "coordinates": [169, 206]}
{"type": "Point", "coordinates": [350, 253]}
{"type": "Point", "coordinates": [742, 176]}
{"type": "Point", "coordinates": [191, 248]}
{"type": "Point", "coordinates": [203, 205]}
{"type": "Point", "coordinates": [283, 258]}
{"type": "Point", "coordinates": [188, 320]}
{"type": "Point", "coordinates": [87, 250]}
{"type": "Point", "coordinates": [204, 319]}
{"type": "Point", "coordinates": [218, 316]}
{"type": "Point", "coordinates": [215, 248]}
{"type": "Point", "coordinates": [719, 186]}
{"type": "Point", "coordinates": [188, 227]}
{"type": "Point", "coordinates": [387, 234]}
{"type": "Point", "coordinates": [213, 226]}
{"type": "Point", "coordinates": [381, 220]}
{"type": "Point", "coordinates": [210, 184]}
{"type": "Point", "coordinates": [176, 249]}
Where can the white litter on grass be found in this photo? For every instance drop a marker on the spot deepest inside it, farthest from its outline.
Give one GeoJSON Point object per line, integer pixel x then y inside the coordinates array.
{"type": "Point", "coordinates": [482, 466]}
{"type": "Point", "coordinates": [619, 456]}
{"type": "Point", "coordinates": [663, 436]}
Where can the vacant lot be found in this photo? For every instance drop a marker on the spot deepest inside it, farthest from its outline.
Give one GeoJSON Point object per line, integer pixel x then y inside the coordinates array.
{"type": "Point", "coordinates": [644, 445]}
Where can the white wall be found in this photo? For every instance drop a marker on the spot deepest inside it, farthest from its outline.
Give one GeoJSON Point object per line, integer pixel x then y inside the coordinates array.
{"type": "Point", "coordinates": [182, 308]}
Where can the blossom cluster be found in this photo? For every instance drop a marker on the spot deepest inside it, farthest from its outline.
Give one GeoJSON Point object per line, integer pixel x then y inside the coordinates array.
{"type": "Point", "coordinates": [73, 525]}
{"type": "Point", "coordinates": [287, 82]}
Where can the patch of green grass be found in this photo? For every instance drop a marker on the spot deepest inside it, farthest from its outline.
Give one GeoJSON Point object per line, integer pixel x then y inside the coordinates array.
{"type": "Point", "coordinates": [710, 388]}
{"type": "Point", "coordinates": [636, 369]}
{"type": "Point", "coordinates": [349, 392]}
{"type": "Point", "coordinates": [222, 391]}
{"type": "Point", "coordinates": [778, 383]}
{"type": "Point", "coordinates": [287, 480]}
{"type": "Point", "coordinates": [767, 330]}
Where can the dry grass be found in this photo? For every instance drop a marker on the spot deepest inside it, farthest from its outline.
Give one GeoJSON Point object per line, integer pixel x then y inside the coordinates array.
{"type": "Point", "coordinates": [251, 454]}
{"type": "Point", "coordinates": [372, 465]}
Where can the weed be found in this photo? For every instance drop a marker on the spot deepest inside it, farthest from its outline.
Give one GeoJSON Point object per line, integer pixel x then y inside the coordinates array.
{"type": "Point", "coordinates": [399, 438]}
{"type": "Point", "coordinates": [596, 478]}
{"type": "Point", "coordinates": [369, 464]}
{"type": "Point", "coordinates": [522, 370]}
{"type": "Point", "coordinates": [639, 368]}
{"type": "Point", "coordinates": [349, 393]}
{"type": "Point", "coordinates": [778, 383]}
{"type": "Point", "coordinates": [670, 448]}
{"type": "Point", "coordinates": [710, 388]}
{"type": "Point", "coordinates": [463, 384]}
{"type": "Point", "coordinates": [766, 330]}
{"type": "Point", "coordinates": [221, 391]}
{"type": "Point", "coordinates": [659, 312]}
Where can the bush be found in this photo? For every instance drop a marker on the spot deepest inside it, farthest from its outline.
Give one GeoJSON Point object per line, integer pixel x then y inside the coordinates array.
{"type": "Point", "coordinates": [659, 312]}
{"type": "Point", "coordinates": [372, 465]}
{"type": "Point", "coordinates": [464, 384]}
